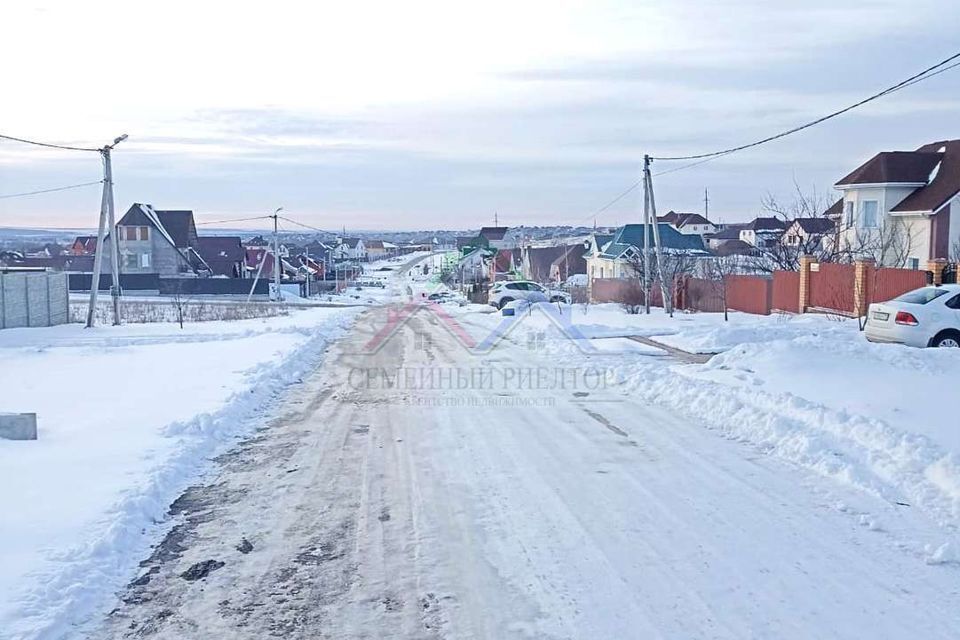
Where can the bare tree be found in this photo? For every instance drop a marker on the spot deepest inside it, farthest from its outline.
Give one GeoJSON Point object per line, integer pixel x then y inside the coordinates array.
{"type": "Point", "coordinates": [718, 269]}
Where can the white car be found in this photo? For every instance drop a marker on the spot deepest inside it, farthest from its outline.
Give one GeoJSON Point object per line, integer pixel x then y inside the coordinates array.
{"type": "Point", "coordinates": [503, 293]}
{"type": "Point", "coordinates": [925, 317]}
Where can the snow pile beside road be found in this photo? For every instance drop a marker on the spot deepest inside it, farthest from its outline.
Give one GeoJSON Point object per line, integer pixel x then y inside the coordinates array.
{"type": "Point", "coordinates": [807, 389]}
{"type": "Point", "coordinates": [878, 417]}
{"type": "Point", "coordinates": [128, 418]}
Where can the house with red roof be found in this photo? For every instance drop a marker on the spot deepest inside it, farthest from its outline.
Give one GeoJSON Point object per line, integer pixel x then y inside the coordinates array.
{"type": "Point", "coordinates": [904, 204]}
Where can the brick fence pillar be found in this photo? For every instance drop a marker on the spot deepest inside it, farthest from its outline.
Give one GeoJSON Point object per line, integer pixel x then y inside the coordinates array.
{"type": "Point", "coordinates": [862, 286]}
{"type": "Point", "coordinates": [936, 267]}
{"type": "Point", "coordinates": [805, 262]}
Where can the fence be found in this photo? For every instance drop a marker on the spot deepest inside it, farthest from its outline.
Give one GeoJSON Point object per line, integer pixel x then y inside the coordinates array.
{"type": "Point", "coordinates": [821, 287]}
{"type": "Point", "coordinates": [33, 299]}
{"type": "Point", "coordinates": [832, 287]}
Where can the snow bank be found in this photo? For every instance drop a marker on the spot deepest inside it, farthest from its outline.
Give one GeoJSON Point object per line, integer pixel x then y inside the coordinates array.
{"type": "Point", "coordinates": [807, 389]}
{"type": "Point", "coordinates": [128, 418]}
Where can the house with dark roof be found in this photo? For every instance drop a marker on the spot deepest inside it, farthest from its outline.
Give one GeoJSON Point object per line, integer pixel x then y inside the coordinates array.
{"type": "Point", "coordinates": [618, 257]}
{"type": "Point", "coordinates": [535, 262]}
{"type": "Point", "coordinates": [688, 223]}
{"type": "Point", "coordinates": [155, 241]}
{"type": "Point", "coordinates": [763, 232]}
{"type": "Point", "coordinates": [570, 263]}
{"type": "Point", "coordinates": [224, 255]}
{"type": "Point", "coordinates": [728, 233]}
{"type": "Point", "coordinates": [907, 199]}
{"type": "Point", "coordinates": [350, 249]}
{"type": "Point", "coordinates": [808, 234]}
{"type": "Point", "coordinates": [494, 237]}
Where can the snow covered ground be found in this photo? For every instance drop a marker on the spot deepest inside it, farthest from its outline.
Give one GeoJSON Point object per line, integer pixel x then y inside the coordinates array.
{"type": "Point", "coordinates": [808, 389]}
{"type": "Point", "coordinates": [128, 417]}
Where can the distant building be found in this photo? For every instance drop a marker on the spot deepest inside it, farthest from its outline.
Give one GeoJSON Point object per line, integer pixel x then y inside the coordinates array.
{"type": "Point", "coordinates": [763, 232]}
{"type": "Point", "coordinates": [688, 223]}
{"type": "Point", "coordinates": [224, 255]}
{"type": "Point", "coordinates": [494, 237]}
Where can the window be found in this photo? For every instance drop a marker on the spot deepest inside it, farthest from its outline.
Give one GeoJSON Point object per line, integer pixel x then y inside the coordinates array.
{"type": "Point", "coordinates": [913, 263]}
{"type": "Point", "coordinates": [144, 233]}
{"type": "Point", "coordinates": [954, 302]}
{"type": "Point", "coordinates": [922, 296]}
{"type": "Point", "coordinates": [129, 233]}
{"type": "Point", "coordinates": [131, 261]}
{"type": "Point", "coordinates": [868, 214]}
{"type": "Point", "coordinates": [848, 213]}
{"type": "Point", "coordinates": [144, 259]}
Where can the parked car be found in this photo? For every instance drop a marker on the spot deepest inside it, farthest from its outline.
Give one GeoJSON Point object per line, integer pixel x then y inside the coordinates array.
{"type": "Point", "coordinates": [503, 293]}
{"type": "Point", "coordinates": [925, 317]}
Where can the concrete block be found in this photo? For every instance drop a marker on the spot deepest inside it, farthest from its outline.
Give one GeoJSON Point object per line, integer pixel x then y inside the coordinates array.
{"type": "Point", "coordinates": [18, 426]}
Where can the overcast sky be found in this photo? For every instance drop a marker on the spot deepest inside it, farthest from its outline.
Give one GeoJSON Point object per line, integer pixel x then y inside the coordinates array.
{"type": "Point", "coordinates": [410, 115]}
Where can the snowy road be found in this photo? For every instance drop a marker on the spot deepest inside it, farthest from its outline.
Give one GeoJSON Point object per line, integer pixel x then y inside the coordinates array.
{"type": "Point", "coordinates": [492, 511]}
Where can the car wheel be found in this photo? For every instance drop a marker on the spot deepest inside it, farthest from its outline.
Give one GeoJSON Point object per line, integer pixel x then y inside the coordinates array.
{"type": "Point", "coordinates": [504, 302]}
{"type": "Point", "coordinates": [947, 339]}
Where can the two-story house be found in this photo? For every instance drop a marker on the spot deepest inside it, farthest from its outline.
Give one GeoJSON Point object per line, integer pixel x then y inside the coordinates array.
{"type": "Point", "coordinates": [763, 232]}
{"type": "Point", "coordinates": [688, 223]}
{"type": "Point", "coordinates": [902, 208]}
{"type": "Point", "coordinates": [155, 241]}
{"type": "Point", "coordinates": [353, 249]}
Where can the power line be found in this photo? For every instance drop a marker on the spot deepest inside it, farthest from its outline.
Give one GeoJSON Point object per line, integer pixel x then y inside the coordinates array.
{"type": "Point", "coordinates": [305, 226]}
{"type": "Point", "coordinates": [914, 79]}
{"type": "Point", "coordinates": [33, 193]}
{"type": "Point", "coordinates": [234, 220]}
{"type": "Point", "coordinates": [47, 144]}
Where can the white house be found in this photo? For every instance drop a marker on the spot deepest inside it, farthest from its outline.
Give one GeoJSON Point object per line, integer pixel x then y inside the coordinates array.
{"type": "Point", "coordinates": [688, 223]}
{"type": "Point", "coordinates": [763, 232]}
{"type": "Point", "coordinates": [350, 249]}
{"type": "Point", "coordinates": [903, 207]}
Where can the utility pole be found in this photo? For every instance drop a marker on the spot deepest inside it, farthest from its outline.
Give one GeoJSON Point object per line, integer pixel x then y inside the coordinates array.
{"type": "Point", "coordinates": [706, 203]}
{"type": "Point", "coordinates": [276, 252]}
{"type": "Point", "coordinates": [107, 217]}
{"type": "Point", "coordinates": [646, 236]}
{"type": "Point", "coordinates": [667, 301]}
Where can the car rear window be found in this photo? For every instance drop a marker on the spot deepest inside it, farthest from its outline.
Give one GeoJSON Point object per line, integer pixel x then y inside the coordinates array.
{"type": "Point", "coordinates": [922, 296]}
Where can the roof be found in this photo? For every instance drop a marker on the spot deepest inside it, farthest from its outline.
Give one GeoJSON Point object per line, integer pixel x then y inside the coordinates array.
{"type": "Point", "coordinates": [537, 261]}
{"type": "Point", "coordinates": [944, 185]}
{"type": "Point", "coordinates": [374, 244]}
{"type": "Point", "coordinates": [815, 225]}
{"type": "Point", "coordinates": [350, 242]}
{"type": "Point", "coordinates": [221, 253]}
{"type": "Point", "coordinates": [682, 219]}
{"type": "Point", "coordinates": [735, 248]}
{"type": "Point", "coordinates": [632, 235]}
{"type": "Point", "coordinates": [835, 209]}
{"type": "Point", "coordinates": [493, 233]}
{"type": "Point", "coordinates": [177, 226]}
{"type": "Point", "coordinates": [894, 167]}
{"type": "Point", "coordinates": [729, 233]}
{"type": "Point", "coordinates": [766, 224]}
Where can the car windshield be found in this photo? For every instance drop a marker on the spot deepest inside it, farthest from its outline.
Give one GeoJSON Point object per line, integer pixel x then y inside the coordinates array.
{"type": "Point", "coordinates": [922, 296]}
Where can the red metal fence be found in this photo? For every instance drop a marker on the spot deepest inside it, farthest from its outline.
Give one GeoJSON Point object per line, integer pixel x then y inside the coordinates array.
{"type": "Point", "coordinates": [786, 291]}
{"type": "Point", "coordinates": [832, 287]}
{"type": "Point", "coordinates": [889, 283]}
